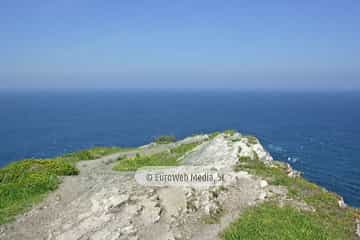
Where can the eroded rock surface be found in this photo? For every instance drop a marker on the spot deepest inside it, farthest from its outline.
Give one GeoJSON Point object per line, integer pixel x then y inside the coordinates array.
{"type": "Point", "coordinates": [103, 204]}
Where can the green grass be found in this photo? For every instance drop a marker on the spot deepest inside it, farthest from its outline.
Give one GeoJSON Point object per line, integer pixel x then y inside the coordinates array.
{"type": "Point", "coordinates": [214, 135]}
{"type": "Point", "coordinates": [94, 153]}
{"type": "Point", "coordinates": [165, 139]}
{"type": "Point", "coordinates": [230, 132]}
{"type": "Point", "coordinates": [251, 139]}
{"type": "Point", "coordinates": [268, 221]}
{"type": "Point", "coordinates": [25, 182]}
{"type": "Point", "coordinates": [338, 222]}
{"type": "Point", "coordinates": [276, 175]}
{"type": "Point", "coordinates": [166, 158]}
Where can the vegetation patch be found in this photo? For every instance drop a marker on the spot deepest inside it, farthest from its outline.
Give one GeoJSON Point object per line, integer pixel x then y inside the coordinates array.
{"type": "Point", "coordinates": [166, 158]}
{"type": "Point", "coordinates": [25, 182]}
{"type": "Point", "coordinates": [230, 132]}
{"type": "Point", "coordinates": [338, 222]}
{"type": "Point", "coordinates": [251, 139]}
{"type": "Point", "coordinates": [214, 135]}
{"type": "Point", "coordinates": [236, 140]}
{"type": "Point", "coordinates": [269, 221]}
{"type": "Point", "coordinates": [165, 139]}
{"type": "Point", "coordinates": [94, 153]}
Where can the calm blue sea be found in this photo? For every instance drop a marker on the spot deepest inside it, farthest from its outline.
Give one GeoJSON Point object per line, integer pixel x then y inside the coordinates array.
{"type": "Point", "coordinates": [318, 133]}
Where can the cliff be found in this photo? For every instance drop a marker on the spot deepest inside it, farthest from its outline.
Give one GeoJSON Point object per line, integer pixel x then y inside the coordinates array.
{"type": "Point", "coordinates": [231, 188]}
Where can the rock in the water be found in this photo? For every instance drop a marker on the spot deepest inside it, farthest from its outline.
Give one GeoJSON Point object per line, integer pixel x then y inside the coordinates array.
{"type": "Point", "coordinates": [291, 172]}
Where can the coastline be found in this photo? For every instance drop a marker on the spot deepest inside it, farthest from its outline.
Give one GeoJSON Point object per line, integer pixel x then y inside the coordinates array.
{"type": "Point", "coordinates": [262, 178]}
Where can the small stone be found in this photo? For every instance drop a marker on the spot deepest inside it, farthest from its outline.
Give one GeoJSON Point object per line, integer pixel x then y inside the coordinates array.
{"type": "Point", "coordinates": [156, 219]}
{"type": "Point", "coordinates": [108, 161]}
{"type": "Point", "coordinates": [196, 204]}
{"type": "Point", "coordinates": [263, 184]}
{"type": "Point", "coordinates": [188, 194]}
{"type": "Point", "coordinates": [115, 203]}
{"type": "Point", "coordinates": [178, 236]}
{"type": "Point", "coordinates": [128, 230]}
{"type": "Point", "coordinates": [172, 219]}
{"type": "Point", "coordinates": [262, 196]}
{"type": "Point", "coordinates": [358, 227]}
{"type": "Point", "coordinates": [154, 198]}
{"type": "Point", "coordinates": [291, 172]}
{"type": "Point", "coordinates": [210, 208]}
{"type": "Point", "coordinates": [58, 197]}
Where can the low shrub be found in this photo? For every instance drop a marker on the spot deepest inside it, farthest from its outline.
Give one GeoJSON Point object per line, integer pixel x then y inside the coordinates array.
{"type": "Point", "coordinates": [23, 183]}
{"type": "Point", "coordinates": [166, 158]}
{"type": "Point", "coordinates": [164, 139]}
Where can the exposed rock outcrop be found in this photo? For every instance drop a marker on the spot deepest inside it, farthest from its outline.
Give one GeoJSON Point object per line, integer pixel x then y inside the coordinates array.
{"type": "Point", "coordinates": [103, 204]}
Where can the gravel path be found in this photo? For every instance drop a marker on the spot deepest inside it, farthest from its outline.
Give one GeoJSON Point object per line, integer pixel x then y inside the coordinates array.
{"type": "Point", "coordinates": [100, 203]}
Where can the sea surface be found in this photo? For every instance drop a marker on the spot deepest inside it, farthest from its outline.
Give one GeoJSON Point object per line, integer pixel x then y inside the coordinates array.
{"type": "Point", "coordinates": [318, 133]}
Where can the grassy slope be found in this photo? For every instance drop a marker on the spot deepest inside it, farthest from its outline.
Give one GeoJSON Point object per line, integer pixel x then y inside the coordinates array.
{"type": "Point", "coordinates": [269, 221]}
{"type": "Point", "coordinates": [25, 182]}
{"type": "Point", "coordinates": [166, 158]}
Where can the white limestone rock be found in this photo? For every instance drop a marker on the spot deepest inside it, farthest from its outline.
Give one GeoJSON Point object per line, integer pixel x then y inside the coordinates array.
{"type": "Point", "coordinates": [263, 184]}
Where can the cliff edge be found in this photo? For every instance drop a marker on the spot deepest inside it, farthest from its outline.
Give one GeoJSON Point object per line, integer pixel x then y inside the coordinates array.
{"type": "Point", "coordinates": [107, 201]}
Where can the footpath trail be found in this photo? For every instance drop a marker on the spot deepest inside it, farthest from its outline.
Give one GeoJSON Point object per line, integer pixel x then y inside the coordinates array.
{"type": "Point", "coordinates": [100, 203]}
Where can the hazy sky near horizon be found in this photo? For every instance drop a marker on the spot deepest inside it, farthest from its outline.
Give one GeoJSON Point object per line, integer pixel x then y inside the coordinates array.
{"type": "Point", "coordinates": [180, 44]}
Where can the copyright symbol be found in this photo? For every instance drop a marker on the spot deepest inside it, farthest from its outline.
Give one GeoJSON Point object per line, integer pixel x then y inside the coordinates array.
{"type": "Point", "coordinates": [149, 177]}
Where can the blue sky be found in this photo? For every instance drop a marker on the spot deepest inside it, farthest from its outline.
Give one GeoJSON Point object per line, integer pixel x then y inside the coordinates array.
{"type": "Point", "coordinates": [180, 44]}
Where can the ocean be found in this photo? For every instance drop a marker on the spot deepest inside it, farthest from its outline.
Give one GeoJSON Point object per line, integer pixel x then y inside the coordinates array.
{"type": "Point", "coordinates": [317, 133]}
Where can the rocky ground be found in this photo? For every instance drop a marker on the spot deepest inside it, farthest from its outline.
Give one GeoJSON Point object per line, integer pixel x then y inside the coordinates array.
{"type": "Point", "coordinates": [101, 203]}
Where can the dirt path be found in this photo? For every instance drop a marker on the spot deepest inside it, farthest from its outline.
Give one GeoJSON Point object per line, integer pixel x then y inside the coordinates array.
{"type": "Point", "coordinates": [100, 203]}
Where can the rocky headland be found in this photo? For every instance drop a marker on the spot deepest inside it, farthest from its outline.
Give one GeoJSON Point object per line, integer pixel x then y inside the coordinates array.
{"type": "Point", "coordinates": [101, 203]}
